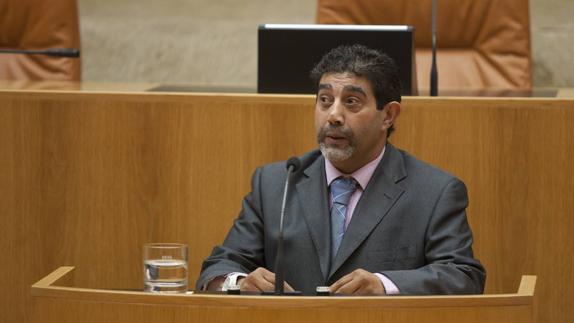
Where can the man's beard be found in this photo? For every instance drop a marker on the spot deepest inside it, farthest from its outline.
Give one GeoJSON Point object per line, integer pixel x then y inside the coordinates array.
{"type": "Point", "coordinates": [334, 153]}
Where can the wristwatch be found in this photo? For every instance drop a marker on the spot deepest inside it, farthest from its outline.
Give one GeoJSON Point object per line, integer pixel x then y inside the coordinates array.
{"type": "Point", "coordinates": [231, 280]}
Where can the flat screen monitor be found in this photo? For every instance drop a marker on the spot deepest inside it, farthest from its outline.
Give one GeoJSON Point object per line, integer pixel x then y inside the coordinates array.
{"type": "Point", "coordinates": [288, 52]}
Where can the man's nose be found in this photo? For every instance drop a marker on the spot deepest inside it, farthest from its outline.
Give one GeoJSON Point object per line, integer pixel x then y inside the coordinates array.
{"type": "Point", "coordinates": [336, 114]}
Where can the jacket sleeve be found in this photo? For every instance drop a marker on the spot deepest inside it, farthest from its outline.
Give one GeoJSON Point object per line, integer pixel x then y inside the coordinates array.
{"type": "Point", "coordinates": [451, 267]}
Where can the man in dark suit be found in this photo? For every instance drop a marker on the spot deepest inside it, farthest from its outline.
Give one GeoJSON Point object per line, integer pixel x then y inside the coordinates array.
{"type": "Point", "coordinates": [363, 217]}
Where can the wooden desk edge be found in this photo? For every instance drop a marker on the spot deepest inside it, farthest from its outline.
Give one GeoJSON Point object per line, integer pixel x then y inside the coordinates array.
{"type": "Point", "coordinates": [46, 287]}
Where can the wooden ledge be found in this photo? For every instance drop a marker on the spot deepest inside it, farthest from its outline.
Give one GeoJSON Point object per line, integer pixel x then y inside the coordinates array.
{"type": "Point", "coordinates": [50, 286]}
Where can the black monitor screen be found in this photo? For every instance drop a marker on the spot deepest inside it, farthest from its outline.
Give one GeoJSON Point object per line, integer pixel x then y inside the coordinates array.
{"type": "Point", "coordinates": [287, 53]}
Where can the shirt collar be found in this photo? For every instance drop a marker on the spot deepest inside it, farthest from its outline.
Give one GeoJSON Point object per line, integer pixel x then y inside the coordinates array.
{"type": "Point", "coordinates": [362, 175]}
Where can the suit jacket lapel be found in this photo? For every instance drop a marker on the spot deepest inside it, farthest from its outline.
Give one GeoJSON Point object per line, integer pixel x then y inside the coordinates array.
{"type": "Point", "coordinates": [312, 194]}
{"type": "Point", "coordinates": [379, 196]}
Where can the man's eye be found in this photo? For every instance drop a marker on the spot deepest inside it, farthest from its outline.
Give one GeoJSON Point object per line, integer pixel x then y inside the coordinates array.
{"type": "Point", "coordinates": [325, 99]}
{"type": "Point", "coordinates": [352, 101]}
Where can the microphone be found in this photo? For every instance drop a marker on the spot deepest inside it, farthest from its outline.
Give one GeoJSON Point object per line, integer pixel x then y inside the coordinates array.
{"type": "Point", "coordinates": [293, 165]}
{"type": "Point", "coordinates": [56, 52]}
{"type": "Point", "coordinates": [434, 70]}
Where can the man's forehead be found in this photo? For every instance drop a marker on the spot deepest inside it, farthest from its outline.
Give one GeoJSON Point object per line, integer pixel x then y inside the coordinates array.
{"type": "Point", "coordinates": [348, 81]}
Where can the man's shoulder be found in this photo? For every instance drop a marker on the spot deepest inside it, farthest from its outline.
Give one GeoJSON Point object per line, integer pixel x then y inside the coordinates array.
{"type": "Point", "coordinates": [270, 177]}
{"type": "Point", "coordinates": [421, 171]}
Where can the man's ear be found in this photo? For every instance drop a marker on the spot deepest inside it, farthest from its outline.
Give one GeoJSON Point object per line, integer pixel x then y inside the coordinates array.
{"type": "Point", "coordinates": [393, 109]}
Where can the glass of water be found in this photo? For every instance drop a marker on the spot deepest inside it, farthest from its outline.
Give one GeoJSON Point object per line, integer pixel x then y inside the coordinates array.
{"type": "Point", "coordinates": [165, 267]}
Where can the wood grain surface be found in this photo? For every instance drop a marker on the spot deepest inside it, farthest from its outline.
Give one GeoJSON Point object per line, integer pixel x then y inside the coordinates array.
{"type": "Point", "coordinates": [53, 302]}
{"type": "Point", "coordinates": [87, 178]}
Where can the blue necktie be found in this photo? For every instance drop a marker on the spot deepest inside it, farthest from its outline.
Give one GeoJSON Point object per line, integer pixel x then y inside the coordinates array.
{"type": "Point", "coordinates": [341, 191]}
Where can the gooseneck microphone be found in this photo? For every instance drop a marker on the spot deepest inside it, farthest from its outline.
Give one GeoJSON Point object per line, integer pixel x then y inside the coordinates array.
{"type": "Point", "coordinates": [55, 52]}
{"type": "Point", "coordinates": [434, 69]}
{"type": "Point", "coordinates": [293, 165]}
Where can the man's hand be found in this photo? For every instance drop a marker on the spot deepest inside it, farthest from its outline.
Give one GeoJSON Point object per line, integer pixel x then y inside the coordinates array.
{"type": "Point", "coordinates": [260, 280]}
{"type": "Point", "coordinates": [360, 282]}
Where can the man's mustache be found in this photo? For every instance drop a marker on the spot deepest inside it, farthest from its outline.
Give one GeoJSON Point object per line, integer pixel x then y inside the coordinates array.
{"type": "Point", "coordinates": [335, 131]}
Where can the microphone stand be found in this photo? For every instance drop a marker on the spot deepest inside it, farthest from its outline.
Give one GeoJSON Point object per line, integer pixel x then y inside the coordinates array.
{"type": "Point", "coordinates": [434, 70]}
{"type": "Point", "coordinates": [293, 165]}
{"type": "Point", "coordinates": [55, 52]}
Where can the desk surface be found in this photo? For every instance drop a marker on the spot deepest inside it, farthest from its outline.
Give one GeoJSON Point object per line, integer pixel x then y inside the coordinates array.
{"type": "Point", "coordinates": [57, 299]}
{"type": "Point", "coordinates": [75, 86]}
{"type": "Point", "coordinates": [545, 92]}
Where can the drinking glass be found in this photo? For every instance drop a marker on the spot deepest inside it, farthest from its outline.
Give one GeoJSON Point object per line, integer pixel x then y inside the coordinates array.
{"type": "Point", "coordinates": [165, 267]}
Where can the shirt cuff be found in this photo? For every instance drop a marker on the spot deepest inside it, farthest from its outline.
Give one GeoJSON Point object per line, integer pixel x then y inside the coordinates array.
{"type": "Point", "coordinates": [231, 280]}
{"type": "Point", "coordinates": [390, 287]}
{"type": "Point", "coordinates": [228, 279]}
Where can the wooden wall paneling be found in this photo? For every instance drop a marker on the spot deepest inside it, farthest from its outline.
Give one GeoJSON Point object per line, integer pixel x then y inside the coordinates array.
{"type": "Point", "coordinates": [515, 157]}
{"type": "Point", "coordinates": [87, 178]}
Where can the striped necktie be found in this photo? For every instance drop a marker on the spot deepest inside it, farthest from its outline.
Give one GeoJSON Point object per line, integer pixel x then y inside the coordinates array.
{"type": "Point", "coordinates": [341, 191]}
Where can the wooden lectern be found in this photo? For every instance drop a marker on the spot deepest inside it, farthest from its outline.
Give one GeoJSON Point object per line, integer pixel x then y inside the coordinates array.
{"type": "Point", "coordinates": [56, 300]}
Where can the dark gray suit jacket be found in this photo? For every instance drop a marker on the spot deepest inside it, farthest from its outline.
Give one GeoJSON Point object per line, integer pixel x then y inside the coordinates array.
{"type": "Point", "coordinates": [410, 225]}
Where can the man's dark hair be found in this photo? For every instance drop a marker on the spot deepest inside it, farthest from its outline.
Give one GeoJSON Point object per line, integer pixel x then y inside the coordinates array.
{"type": "Point", "coordinates": [378, 68]}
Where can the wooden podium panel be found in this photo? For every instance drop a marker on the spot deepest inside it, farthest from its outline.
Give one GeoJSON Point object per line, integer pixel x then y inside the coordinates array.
{"type": "Point", "coordinates": [58, 304]}
{"type": "Point", "coordinates": [87, 178]}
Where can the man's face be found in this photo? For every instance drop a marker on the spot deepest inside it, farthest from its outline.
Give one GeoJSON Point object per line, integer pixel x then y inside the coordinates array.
{"type": "Point", "coordinates": [350, 130]}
